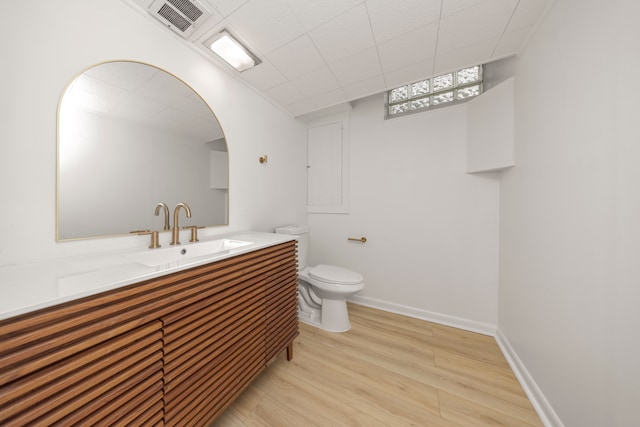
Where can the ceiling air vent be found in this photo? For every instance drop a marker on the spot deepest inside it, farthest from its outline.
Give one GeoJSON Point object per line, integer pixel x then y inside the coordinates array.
{"type": "Point", "coordinates": [182, 16]}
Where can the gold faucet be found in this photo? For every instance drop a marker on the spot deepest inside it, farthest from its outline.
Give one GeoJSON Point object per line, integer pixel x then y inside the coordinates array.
{"type": "Point", "coordinates": [175, 239]}
{"type": "Point", "coordinates": [166, 214]}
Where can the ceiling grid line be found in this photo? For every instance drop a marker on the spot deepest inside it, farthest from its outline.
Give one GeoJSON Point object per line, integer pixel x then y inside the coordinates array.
{"type": "Point", "coordinates": [435, 51]}
{"type": "Point", "coordinates": [375, 41]}
{"type": "Point", "coordinates": [505, 28]}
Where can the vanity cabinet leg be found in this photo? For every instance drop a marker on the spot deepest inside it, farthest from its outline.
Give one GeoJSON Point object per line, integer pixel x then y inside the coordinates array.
{"type": "Point", "coordinates": [290, 352]}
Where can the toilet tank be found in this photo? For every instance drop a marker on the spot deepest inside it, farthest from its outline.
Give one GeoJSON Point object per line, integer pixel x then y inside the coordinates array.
{"type": "Point", "coordinates": [301, 233]}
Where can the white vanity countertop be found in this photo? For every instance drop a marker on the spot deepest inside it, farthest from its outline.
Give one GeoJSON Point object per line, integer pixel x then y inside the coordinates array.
{"type": "Point", "coordinates": [28, 287]}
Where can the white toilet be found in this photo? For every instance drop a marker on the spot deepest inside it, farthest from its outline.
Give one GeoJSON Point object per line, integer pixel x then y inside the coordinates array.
{"type": "Point", "coordinates": [322, 290]}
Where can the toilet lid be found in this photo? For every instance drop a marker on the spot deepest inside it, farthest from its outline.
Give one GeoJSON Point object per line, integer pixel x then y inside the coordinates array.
{"type": "Point", "coordinates": [333, 274]}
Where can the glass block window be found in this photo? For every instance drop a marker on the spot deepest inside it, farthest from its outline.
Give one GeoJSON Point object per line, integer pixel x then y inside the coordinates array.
{"type": "Point", "coordinates": [399, 94]}
{"type": "Point", "coordinates": [450, 88]}
{"type": "Point", "coordinates": [442, 82]}
{"type": "Point", "coordinates": [420, 88]}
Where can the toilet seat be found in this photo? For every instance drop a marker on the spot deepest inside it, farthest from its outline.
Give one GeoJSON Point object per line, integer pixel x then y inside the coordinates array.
{"type": "Point", "coordinates": [333, 274]}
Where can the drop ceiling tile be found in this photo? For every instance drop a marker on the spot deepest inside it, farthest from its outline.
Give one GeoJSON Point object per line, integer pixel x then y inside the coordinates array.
{"type": "Point", "coordinates": [285, 94]}
{"type": "Point", "coordinates": [126, 75]}
{"type": "Point", "coordinates": [226, 7]}
{"type": "Point", "coordinates": [510, 43]}
{"type": "Point", "coordinates": [473, 24]}
{"type": "Point", "coordinates": [313, 13]}
{"type": "Point", "coordinates": [469, 55]}
{"type": "Point", "coordinates": [328, 99]}
{"type": "Point", "coordinates": [449, 7]}
{"type": "Point", "coordinates": [94, 102]}
{"type": "Point", "coordinates": [162, 87]}
{"type": "Point", "coordinates": [411, 73]}
{"type": "Point", "coordinates": [136, 107]}
{"type": "Point", "coordinates": [409, 48]}
{"type": "Point", "coordinates": [344, 35]}
{"type": "Point", "coordinates": [317, 82]}
{"type": "Point", "coordinates": [264, 76]}
{"type": "Point", "coordinates": [360, 66]}
{"type": "Point", "coordinates": [366, 87]}
{"type": "Point", "coordinates": [301, 107]}
{"type": "Point", "coordinates": [267, 25]}
{"type": "Point", "coordinates": [86, 84]}
{"type": "Point", "coordinates": [527, 14]}
{"type": "Point", "coordinates": [296, 58]}
{"type": "Point", "coordinates": [391, 19]}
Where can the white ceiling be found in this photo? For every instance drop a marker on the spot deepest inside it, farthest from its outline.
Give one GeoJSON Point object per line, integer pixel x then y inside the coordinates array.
{"type": "Point", "coordinates": [143, 95]}
{"type": "Point", "coordinates": [320, 53]}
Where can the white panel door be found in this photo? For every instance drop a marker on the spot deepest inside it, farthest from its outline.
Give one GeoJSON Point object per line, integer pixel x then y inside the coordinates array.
{"type": "Point", "coordinates": [325, 168]}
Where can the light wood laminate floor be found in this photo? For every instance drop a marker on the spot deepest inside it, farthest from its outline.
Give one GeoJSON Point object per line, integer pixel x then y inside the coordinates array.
{"type": "Point", "coordinates": [388, 370]}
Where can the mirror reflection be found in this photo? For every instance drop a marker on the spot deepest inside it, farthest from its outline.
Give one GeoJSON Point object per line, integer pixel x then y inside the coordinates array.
{"type": "Point", "coordinates": [131, 136]}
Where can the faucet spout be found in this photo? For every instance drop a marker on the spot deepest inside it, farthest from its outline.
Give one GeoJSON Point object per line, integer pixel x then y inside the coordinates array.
{"type": "Point", "coordinates": [175, 238]}
{"type": "Point", "coordinates": [166, 214]}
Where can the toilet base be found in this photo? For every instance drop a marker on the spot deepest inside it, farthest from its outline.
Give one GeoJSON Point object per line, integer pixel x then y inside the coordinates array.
{"type": "Point", "coordinates": [332, 316]}
{"type": "Point", "coordinates": [322, 311]}
{"type": "Point", "coordinates": [335, 317]}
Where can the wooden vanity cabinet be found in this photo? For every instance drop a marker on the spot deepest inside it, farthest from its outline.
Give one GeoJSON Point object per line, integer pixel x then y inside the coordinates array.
{"type": "Point", "coordinates": [215, 346]}
{"type": "Point", "coordinates": [176, 350]}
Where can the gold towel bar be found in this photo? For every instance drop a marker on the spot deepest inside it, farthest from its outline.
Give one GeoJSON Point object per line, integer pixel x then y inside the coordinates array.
{"type": "Point", "coordinates": [355, 239]}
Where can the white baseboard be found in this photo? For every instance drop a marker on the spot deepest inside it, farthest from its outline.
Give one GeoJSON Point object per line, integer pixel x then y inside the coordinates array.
{"type": "Point", "coordinates": [540, 403]}
{"type": "Point", "coordinates": [443, 319]}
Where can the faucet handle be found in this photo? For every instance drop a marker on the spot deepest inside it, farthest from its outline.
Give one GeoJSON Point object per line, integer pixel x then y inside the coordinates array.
{"type": "Point", "coordinates": [154, 237]}
{"type": "Point", "coordinates": [194, 231]}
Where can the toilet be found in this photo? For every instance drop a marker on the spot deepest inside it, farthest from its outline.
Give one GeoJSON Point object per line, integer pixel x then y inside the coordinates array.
{"type": "Point", "coordinates": [322, 290]}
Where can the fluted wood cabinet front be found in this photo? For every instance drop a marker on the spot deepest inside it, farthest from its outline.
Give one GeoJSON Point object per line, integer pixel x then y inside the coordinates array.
{"type": "Point", "coordinates": [169, 351]}
{"type": "Point", "coordinates": [87, 374]}
{"type": "Point", "coordinates": [281, 306]}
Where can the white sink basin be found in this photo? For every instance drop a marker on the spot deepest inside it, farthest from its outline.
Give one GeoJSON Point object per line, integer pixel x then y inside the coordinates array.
{"type": "Point", "coordinates": [180, 253]}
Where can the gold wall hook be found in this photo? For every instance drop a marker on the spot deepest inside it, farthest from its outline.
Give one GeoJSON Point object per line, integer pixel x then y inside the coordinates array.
{"type": "Point", "coordinates": [355, 239]}
{"type": "Point", "coordinates": [263, 159]}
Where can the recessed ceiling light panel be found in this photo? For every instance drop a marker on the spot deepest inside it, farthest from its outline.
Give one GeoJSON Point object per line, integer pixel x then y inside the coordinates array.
{"type": "Point", "coordinates": [232, 51]}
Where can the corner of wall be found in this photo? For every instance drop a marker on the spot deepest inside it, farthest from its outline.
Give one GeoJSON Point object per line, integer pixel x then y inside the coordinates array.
{"type": "Point", "coordinates": [540, 403]}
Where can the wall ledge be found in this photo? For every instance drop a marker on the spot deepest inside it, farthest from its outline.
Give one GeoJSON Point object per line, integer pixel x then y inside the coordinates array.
{"type": "Point", "coordinates": [430, 316]}
{"type": "Point", "coordinates": [545, 411]}
{"type": "Point", "coordinates": [499, 169]}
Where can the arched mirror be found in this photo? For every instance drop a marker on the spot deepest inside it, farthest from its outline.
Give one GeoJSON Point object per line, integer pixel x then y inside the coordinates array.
{"type": "Point", "coordinates": [131, 136]}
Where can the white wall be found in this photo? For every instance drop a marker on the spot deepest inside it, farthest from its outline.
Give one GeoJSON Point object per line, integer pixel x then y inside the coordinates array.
{"type": "Point", "coordinates": [432, 230]}
{"type": "Point", "coordinates": [46, 44]}
{"type": "Point", "coordinates": [570, 215]}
